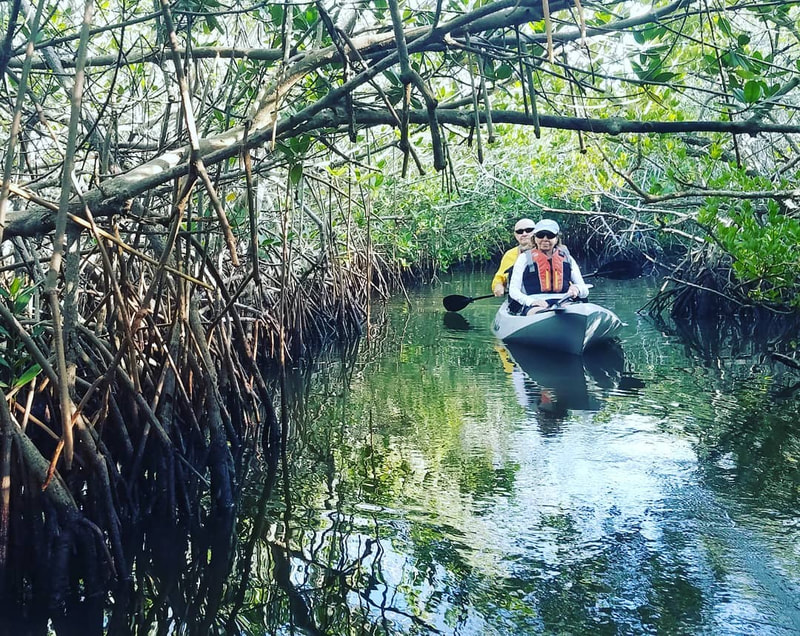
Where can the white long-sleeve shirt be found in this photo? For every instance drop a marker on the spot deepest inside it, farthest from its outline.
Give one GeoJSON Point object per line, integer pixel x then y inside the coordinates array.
{"type": "Point", "coordinates": [516, 292]}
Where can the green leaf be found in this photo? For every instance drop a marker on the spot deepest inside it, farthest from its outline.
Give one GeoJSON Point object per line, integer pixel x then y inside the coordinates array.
{"type": "Point", "coordinates": [21, 302]}
{"type": "Point", "coordinates": [296, 173]}
{"type": "Point", "coordinates": [503, 71]}
{"type": "Point", "coordinates": [734, 59]}
{"type": "Point", "coordinates": [395, 95]}
{"type": "Point", "coordinates": [29, 375]}
{"type": "Point", "coordinates": [213, 23]}
{"type": "Point", "coordinates": [724, 26]}
{"type": "Point", "coordinates": [665, 76]}
{"type": "Point", "coordinates": [710, 62]}
{"type": "Point", "coordinates": [392, 77]}
{"type": "Point", "coordinates": [653, 32]}
{"type": "Point", "coordinates": [752, 91]}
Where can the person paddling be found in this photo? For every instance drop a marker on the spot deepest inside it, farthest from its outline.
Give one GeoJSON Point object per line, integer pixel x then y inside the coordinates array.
{"type": "Point", "coordinates": [523, 231]}
{"type": "Point", "coordinates": [546, 269]}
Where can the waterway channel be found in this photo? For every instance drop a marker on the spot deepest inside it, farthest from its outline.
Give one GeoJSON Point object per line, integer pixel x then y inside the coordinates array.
{"type": "Point", "coordinates": [438, 483]}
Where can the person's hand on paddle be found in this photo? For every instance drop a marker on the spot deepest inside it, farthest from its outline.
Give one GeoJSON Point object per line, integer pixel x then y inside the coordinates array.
{"type": "Point", "coordinates": [499, 289]}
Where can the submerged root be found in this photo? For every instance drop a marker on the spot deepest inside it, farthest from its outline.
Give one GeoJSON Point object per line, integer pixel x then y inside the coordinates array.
{"type": "Point", "coordinates": [712, 310]}
{"type": "Point", "coordinates": [704, 285]}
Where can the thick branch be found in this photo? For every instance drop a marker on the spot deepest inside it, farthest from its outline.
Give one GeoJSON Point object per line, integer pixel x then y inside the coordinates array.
{"type": "Point", "coordinates": [498, 15]}
{"type": "Point", "coordinates": [111, 196]}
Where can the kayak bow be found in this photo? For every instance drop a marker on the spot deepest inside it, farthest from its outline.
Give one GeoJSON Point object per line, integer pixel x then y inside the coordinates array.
{"type": "Point", "coordinates": [573, 328]}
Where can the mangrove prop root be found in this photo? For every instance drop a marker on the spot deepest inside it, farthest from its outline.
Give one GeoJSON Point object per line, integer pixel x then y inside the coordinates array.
{"type": "Point", "coordinates": [169, 402]}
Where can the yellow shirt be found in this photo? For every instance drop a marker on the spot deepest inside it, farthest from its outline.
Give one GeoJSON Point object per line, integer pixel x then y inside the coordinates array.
{"type": "Point", "coordinates": [506, 263]}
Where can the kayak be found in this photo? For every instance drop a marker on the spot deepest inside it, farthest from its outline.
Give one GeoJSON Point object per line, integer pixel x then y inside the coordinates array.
{"type": "Point", "coordinates": [572, 327]}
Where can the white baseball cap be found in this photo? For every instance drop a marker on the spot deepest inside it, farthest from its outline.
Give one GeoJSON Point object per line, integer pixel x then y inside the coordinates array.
{"type": "Point", "coordinates": [524, 224]}
{"type": "Point", "coordinates": [546, 225]}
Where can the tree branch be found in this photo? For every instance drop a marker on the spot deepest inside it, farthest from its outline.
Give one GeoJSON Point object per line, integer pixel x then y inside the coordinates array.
{"type": "Point", "coordinates": [111, 196]}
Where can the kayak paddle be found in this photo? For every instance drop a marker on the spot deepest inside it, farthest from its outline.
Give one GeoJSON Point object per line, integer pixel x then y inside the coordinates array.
{"type": "Point", "coordinates": [557, 305]}
{"type": "Point", "coordinates": [619, 270]}
{"type": "Point", "coordinates": [455, 302]}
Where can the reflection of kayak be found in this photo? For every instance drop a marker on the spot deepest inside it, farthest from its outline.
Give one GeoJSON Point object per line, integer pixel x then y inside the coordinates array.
{"type": "Point", "coordinates": [562, 378]}
{"type": "Point", "coordinates": [571, 328]}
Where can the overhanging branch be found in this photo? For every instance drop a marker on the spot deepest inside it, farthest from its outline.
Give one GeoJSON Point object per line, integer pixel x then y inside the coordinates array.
{"type": "Point", "coordinates": [112, 195]}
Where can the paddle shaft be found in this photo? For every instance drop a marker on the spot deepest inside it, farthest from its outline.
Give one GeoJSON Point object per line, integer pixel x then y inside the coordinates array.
{"type": "Point", "coordinates": [621, 269]}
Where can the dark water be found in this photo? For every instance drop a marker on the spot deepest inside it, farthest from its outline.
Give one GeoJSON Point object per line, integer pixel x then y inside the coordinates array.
{"type": "Point", "coordinates": [438, 483]}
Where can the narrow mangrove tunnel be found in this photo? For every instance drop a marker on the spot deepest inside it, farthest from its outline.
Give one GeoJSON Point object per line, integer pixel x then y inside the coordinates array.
{"type": "Point", "coordinates": [220, 222]}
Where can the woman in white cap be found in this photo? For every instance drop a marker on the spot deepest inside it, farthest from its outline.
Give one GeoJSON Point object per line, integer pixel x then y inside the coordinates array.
{"type": "Point", "coordinates": [523, 230]}
{"type": "Point", "coordinates": [546, 269]}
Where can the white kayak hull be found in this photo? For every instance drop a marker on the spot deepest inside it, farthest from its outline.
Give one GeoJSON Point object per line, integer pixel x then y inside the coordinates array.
{"type": "Point", "coordinates": [572, 328]}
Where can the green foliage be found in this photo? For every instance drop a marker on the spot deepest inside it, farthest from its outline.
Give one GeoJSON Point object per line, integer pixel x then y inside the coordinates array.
{"type": "Point", "coordinates": [424, 227]}
{"type": "Point", "coordinates": [494, 70]}
{"type": "Point", "coordinates": [16, 365]}
{"type": "Point", "coordinates": [207, 10]}
{"type": "Point", "coordinates": [650, 67]}
{"type": "Point", "coordinates": [762, 243]}
{"type": "Point", "coordinates": [428, 227]}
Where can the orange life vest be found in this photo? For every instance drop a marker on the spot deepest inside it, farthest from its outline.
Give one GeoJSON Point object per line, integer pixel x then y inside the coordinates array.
{"type": "Point", "coordinates": [544, 274]}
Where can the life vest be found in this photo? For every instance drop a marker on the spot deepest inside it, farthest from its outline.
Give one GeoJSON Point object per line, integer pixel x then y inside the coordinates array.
{"type": "Point", "coordinates": [545, 275]}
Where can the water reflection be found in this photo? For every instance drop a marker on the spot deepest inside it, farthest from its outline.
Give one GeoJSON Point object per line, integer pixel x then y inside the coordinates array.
{"type": "Point", "coordinates": [748, 335]}
{"type": "Point", "coordinates": [416, 497]}
{"type": "Point", "coordinates": [455, 322]}
{"type": "Point", "coordinates": [555, 383]}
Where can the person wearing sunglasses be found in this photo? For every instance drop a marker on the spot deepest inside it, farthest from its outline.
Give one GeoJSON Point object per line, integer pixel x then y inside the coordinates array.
{"type": "Point", "coordinates": [523, 231]}
{"type": "Point", "coordinates": [547, 268]}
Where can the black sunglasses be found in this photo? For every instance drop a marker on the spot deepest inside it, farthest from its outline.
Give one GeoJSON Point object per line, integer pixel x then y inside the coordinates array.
{"type": "Point", "coordinates": [544, 235]}
{"type": "Point", "coordinates": [524, 230]}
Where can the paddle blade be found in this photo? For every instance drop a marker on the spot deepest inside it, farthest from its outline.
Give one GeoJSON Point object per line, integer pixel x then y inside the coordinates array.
{"type": "Point", "coordinates": [456, 302]}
